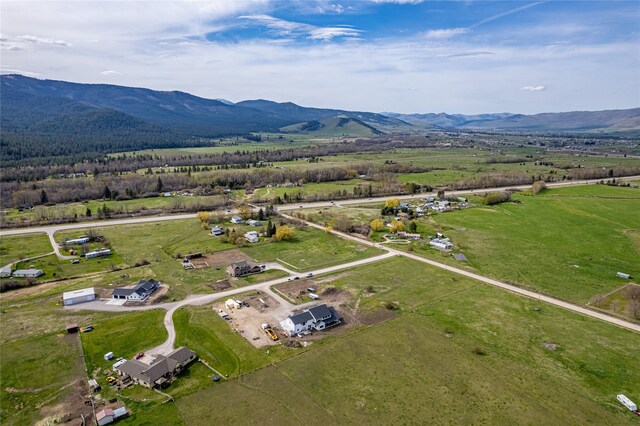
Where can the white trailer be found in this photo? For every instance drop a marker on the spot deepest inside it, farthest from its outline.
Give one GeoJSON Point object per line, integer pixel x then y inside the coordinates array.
{"type": "Point", "coordinates": [627, 402]}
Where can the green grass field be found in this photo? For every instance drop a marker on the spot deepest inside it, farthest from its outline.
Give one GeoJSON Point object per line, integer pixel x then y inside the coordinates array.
{"type": "Point", "coordinates": [16, 247]}
{"type": "Point", "coordinates": [422, 365]}
{"type": "Point", "coordinates": [311, 249]}
{"type": "Point", "coordinates": [567, 242]}
{"type": "Point", "coordinates": [37, 371]}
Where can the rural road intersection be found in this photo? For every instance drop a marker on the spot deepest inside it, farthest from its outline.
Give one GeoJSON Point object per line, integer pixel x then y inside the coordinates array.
{"type": "Point", "coordinates": [167, 346]}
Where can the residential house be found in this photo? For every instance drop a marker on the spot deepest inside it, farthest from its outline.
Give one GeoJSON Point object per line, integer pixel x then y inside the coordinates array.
{"type": "Point", "coordinates": [237, 220]}
{"type": "Point", "coordinates": [252, 236]}
{"type": "Point", "coordinates": [441, 243]}
{"type": "Point", "coordinates": [140, 292]}
{"type": "Point", "coordinates": [5, 271]}
{"type": "Point", "coordinates": [408, 236]}
{"type": "Point", "coordinates": [252, 222]}
{"type": "Point", "coordinates": [76, 241]}
{"type": "Point", "coordinates": [161, 371]}
{"type": "Point", "coordinates": [98, 253]}
{"type": "Point", "coordinates": [216, 230]}
{"type": "Point", "coordinates": [243, 268]}
{"type": "Point", "coordinates": [317, 318]}
{"type": "Point", "coordinates": [28, 273]}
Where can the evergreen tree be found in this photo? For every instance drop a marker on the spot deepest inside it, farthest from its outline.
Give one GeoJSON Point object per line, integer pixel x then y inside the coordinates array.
{"type": "Point", "coordinates": [107, 193]}
{"type": "Point", "coordinates": [159, 185]}
{"type": "Point", "coordinates": [43, 197]}
{"type": "Point", "coordinates": [87, 212]}
{"type": "Point", "coordinates": [260, 214]}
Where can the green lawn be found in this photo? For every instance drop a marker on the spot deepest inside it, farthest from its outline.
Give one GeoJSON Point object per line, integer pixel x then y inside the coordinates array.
{"type": "Point", "coordinates": [422, 364]}
{"type": "Point", "coordinates": [311, 249]}
{"type": "Point", "coordinates": [201, 329]}
{"type": "Point", "coordinates": [16, 247]}
{"type": "Point", "coordinates": [123, 334]}
{"type": "Point", "coordinates": [56, 268]}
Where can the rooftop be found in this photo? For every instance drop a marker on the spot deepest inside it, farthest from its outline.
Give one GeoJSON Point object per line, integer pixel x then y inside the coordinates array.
{"type": "Point", "coordinates": [89, 291]}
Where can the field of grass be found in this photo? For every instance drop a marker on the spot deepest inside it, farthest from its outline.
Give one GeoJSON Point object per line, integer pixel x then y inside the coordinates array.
{"type": "Point", "coordinates": [68, 210]}
{"type": "Point", "coordinates": [36, 371]}
{"type": "Point", "coordinates": [307, 191]}
{"type": "Point", "coordinates": [202, 330]}
{"type": "Point", "coordinates": [123, 334]}
{"type": "Point", "coordinates": [426, 363]}
{"type": "Point", "coordinates": [16, 247]}
{"type": "Point", "coordinates": [311, 249]}
{"type": "Point", "coordinates": [566, 242]}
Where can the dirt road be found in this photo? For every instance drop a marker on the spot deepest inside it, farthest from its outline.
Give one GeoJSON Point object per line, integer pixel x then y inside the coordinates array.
{"type": "Point", "coordinates": [500, 284]}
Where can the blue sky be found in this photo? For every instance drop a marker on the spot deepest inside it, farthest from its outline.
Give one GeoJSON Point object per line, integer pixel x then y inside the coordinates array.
{"type": "Point", "coordinates": [374, 55]}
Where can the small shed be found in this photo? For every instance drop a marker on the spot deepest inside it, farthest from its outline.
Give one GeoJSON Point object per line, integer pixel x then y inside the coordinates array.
{"type": "Point", "coordinates": [93, 383]}
{"type": "Point", "coordinates": [78, 296]}
{"type": "Point", "coordinates": [108, 356]}
{"type": "Point", "coordinates": [72, 328]}
{"type": "Point", "coordinates": [119, 413]}
{"type": "Point", "coordinates": [623, 275]}
{"type": "Point", "coordinates": [104, 416]}
{"type": "Point", "coordinates": [232, 304]}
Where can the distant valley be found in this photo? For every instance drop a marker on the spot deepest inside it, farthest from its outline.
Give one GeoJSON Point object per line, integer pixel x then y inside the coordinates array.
{"type": "Point", "coordinates": [48, 118]}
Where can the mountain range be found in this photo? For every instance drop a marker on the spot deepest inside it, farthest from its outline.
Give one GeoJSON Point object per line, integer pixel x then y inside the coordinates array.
{"type": "Point", "coordinates": [575, 121]}
{"type": "Point", "coordinates": [49, 118]}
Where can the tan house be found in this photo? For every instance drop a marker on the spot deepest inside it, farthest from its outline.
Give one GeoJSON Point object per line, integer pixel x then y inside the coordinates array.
{"type": "Point", "coordinates": [161, 371]}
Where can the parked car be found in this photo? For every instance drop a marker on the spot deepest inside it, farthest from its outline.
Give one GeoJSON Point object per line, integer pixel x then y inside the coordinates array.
{"type": "Point", "coordinates": [139, 355]}
{"type": "Point", "coordinates": [87, 329]}
{"type": "Point", "coordinates": [296, 278]}
{"type": "Point", "coordinates": [310, 274]}
{"type": "Point", "coordinates": [75, 261]}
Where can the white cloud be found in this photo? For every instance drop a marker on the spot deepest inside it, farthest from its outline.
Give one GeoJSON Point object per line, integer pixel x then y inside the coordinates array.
{"type": "Point", "coordinates": [328, 33]}
{"type": "Point", "coordinates": [532, 88]}
{"type": "Point", "coordinates": [285, 28]}
{"type": "Point", "coordinates": [163, 47]}
{"type": "Point", "coordinates": [40, 40]}
{"type": "Point", "coordinates": [445, 33]}
{"type": "Point", "coordinates": [110, 72]}
{"type": "Point", "coordinates": [399, 1]}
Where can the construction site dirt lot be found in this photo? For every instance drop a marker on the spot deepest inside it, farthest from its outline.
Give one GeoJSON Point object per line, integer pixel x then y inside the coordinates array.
{"type": "Point", "coordinates": [298, 292]}
{"type": "Point", "coordinates": [247, 321]}
{"type": "Point", "coordinates": [219, 260]}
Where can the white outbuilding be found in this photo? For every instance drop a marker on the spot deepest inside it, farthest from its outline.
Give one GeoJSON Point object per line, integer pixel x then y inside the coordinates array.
{"type": "Point", "coordinates": [627, 402]}
{"type": "Point", "coordinates": [78, 296]}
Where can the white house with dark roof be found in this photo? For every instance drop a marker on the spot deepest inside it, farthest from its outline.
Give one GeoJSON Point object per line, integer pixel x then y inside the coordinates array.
{"type": "Point", "coordinates": [28, 273]}
{"type": "Point", "coordinates": [140, 292]}
{"type": "Point", "coordinates": [317, 318]}
{"type": "Point", "coordinates": [237, 220]}
{"type": "Point", "coordinates": [252, 236]}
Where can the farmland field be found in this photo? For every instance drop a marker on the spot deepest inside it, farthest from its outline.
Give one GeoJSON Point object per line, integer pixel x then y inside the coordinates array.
{"type": "Point", "coordinates": [310, 249]}
{"type": "Point", "coordinates": [18, 247]}
{"type": "Point", "coordinates": [566, 242]}
{"type": "Point", "coordinates": [438, 360]}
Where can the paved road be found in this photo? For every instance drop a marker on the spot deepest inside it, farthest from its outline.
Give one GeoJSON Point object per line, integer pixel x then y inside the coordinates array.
{"type": "Point", "coordinates": [50, 229]}
{"type": "Point", "coordinates": [500, 284]}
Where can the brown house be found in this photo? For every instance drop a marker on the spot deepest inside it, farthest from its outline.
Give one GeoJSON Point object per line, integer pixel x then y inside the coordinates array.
{"type": "Point", "coordinates": [243, 268]}
{"type": "Point", "coordinates": [161, 371]}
